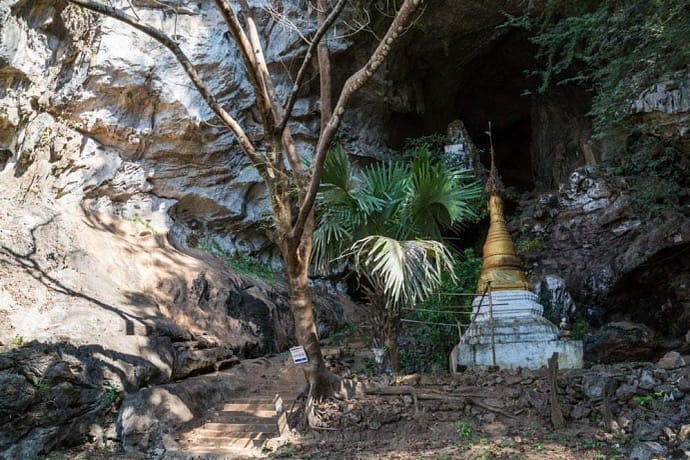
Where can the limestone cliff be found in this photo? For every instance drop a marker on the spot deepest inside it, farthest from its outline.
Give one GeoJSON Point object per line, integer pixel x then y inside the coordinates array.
{"type": "Point", "coordinates": [113, 174]}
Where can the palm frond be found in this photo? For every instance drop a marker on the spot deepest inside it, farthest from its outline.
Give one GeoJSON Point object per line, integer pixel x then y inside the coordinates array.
{"type": "Point", "coordinates": [385, 180]}
{"type": "Point", "coordinates": [331, 240]}
{"type": "Point", "coordinates": [337, 171]}
{"type": "Point", "coordinates": [409, 270]}
{"type": "Point", "coordinates": [387, 183]}
{"type": "Point", "coordinates": [439, 197]}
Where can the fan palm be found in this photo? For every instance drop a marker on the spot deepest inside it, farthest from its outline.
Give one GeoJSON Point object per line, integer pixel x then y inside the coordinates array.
{"type": "Point", "coordinates": [387, 221]}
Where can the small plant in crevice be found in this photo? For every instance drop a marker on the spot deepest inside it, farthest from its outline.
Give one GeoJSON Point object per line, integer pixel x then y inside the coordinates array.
{"type": "Point", "coordinates": [111, 394]}
{"type": "Point", "coordinates": [242, 263]}
{"type": "Point", "coordinates": [41, 386]}
{"type": "Point", "coordinates": [107, 448]}
{"type": "Point", "coordinates": [523, 245]}
{"type": "Point", "coordinates": [141, 221]}
{"type": "Point", "coordinates": [285, 451]}
{"type": "Point", "coordinates": [17, 341]}
{"type": "Point", "coordinates": [465, 430]}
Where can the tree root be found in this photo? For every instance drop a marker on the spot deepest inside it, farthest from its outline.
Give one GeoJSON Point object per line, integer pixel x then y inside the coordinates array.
{"type": "Point", "coordinates": [472, 399]}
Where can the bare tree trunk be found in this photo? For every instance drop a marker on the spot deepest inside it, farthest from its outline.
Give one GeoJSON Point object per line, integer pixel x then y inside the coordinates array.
{"type": "Point", "coordinates": [392, 331]}
{"type": "Point", "coordinates": [297, 257]}
{"type": "Point", "coordinates": [324, 61]}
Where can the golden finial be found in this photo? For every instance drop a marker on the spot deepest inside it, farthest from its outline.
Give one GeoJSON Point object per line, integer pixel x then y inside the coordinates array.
{"type": "Point", "coordinates": [501, 265]}
{"type": "Point", "coordinates": [494, 185]}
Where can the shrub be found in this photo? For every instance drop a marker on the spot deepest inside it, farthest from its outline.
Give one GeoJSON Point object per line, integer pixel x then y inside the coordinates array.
{"type": "Point", "coordinates": [434, 342]}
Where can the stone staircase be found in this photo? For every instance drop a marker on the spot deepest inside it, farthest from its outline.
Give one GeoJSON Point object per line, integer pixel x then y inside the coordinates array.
{"type": "Point", "coordinates": [243, 425]}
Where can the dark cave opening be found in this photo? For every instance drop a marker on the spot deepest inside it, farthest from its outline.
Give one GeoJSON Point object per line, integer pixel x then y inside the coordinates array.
{"type": "Point", "coordinates": [656, 293]}
{"type": "Point", "coordinates": [489, 87]}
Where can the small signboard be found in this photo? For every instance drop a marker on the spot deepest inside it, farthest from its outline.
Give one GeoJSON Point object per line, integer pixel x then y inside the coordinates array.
{"type": "Point", "coordinates": [299, 356]}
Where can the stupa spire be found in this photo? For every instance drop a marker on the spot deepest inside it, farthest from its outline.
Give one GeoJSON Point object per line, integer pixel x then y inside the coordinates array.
{"type": "Point", "coordinates": [501, 265]}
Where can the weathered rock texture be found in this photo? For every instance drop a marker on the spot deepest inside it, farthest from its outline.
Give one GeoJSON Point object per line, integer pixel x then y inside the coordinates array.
{"type": "Point", "coordinates": [128, 96]}
{"type": "Point", "coordinates": [105, 151]}
{"type": "Point", "coordinates": [664, 109]}
{"type": "Point", "coordinates": [621, 259]}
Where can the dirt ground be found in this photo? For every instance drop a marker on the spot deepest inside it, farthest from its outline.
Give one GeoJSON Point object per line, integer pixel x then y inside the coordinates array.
{"type": "Point", "coordinates": [475, 415]}
{"type": "Point", "coordinates": [481, 414]}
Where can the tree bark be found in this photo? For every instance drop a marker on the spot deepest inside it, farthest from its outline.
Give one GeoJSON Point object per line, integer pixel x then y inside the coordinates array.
{"type": "Point", "coordinates": [393, 326]}
{"type": "Point", "coordinates": [324, 61]}
{"type": "Point", "coordinates": [297, 258]}
{"type": "Point", "coordinates": [385, 326]}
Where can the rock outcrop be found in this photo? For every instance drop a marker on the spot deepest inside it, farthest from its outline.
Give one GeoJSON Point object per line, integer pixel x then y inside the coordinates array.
{"type": "Point", "coordinates": [619, 261]}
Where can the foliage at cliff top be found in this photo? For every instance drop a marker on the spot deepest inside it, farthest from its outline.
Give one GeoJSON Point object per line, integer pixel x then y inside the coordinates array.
{"type": "Point", "coordinates": [617, 48]}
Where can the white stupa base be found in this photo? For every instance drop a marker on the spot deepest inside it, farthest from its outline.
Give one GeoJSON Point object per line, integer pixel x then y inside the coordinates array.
{"type": "Point", "coordinates": [530, 355]}
{"type": "Point", "coordinates": [518, 336]}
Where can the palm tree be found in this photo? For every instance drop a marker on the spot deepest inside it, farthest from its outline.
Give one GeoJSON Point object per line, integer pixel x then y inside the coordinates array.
{"type": "Point", "coordinates": [387, 221]}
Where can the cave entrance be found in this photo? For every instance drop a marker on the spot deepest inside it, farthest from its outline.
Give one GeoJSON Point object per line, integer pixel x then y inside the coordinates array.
{"type": "Point", "coordinates": [656, 293]}
{"type": "Point", "coordinates": [450, 83]}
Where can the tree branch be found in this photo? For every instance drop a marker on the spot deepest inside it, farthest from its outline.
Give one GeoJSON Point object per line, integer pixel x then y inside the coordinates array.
{"type": "Point", "coordinates": [301, 74]}
{"type": "Point", "coordinates": [325, 79]}
{"type": "Point", "coordinates": [402, 20]}
{"type": "Point", "coordinates": [252, 64]}
{"type": "Point", "coordinates": [272, 132]}
{"type": "Point", "coordinates": [256, 159]}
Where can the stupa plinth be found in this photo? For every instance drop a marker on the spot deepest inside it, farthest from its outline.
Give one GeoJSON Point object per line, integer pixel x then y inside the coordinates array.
{"type": "Point", "coordinates": [508, 328]}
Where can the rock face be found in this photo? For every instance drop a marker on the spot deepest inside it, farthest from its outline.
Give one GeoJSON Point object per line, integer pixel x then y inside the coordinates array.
{"type": "Point", "coordinates": [664, 109]}
{"type": "Point", "coordinates": [620, 262]}
{"type": "Point", "coordinates": [60, 394]}
{"type": "Point", "coordinates": [128, 96]}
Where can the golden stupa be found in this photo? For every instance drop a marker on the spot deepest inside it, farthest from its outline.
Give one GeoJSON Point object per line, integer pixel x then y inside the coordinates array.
{"type": "Point", "coordinates": [501, 265]}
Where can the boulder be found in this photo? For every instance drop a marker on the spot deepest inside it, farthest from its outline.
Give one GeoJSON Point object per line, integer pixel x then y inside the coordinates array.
{"type": "Point", "coordinates": [671, 360]}
{"type": "Point", "coordinates": [648, 430]}
{"type": "Point", "coordinates": [647, 381]}
{"type": "Point", "coordinates": [684, 433]}
{"type": "Point", "coordinates": [621, 341]}
{"type": "Point", "coordinates": [648, 451]}
{"type": "Point", "coordinates": [190, 361]}
{"type": "Point", "coordinates": [625, 392]}
{"type": "Point", "coordinates": [597, 386]}
{"type": "Point", "coordinates": [684, 384]}
{"type": "Point", "coordinates": [50, 394]}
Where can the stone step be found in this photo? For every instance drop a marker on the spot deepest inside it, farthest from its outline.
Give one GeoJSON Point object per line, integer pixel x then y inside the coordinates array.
{"type": "Point", "coordinates": [225, 428]}
{"type": "Point", "coordinates": [268, 413]}
{"type": "Point", "coordinates": [282, 389]}
{"type": "Point", "coordinates": [258, 399]}
{"type": "Point", "coordinates": [249, 440]}
{"type": "Point", "coordinates": [249, 408]}
{"type": "Point", "coordinates": [246, 422]}
{"type": "Point", "coordinates": [266, 416]}
{"type": "Point", "coordinates": [208, 453]}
